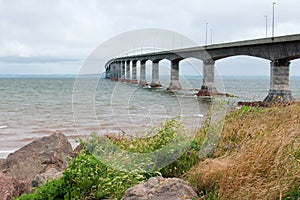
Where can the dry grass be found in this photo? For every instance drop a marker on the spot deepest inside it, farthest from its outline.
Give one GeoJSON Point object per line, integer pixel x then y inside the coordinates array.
{"type": "Point", "coordinates": [257, 156]}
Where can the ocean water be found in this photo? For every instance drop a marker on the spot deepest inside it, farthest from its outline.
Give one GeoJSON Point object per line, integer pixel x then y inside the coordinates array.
{"type": "Point", "coordinates": [36, 106]}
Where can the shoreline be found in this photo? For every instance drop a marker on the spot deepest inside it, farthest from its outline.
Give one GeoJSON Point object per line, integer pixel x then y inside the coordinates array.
{"type": "Point", "coordinates": [5, 152]}
{"type": "Point", "coordinates": [73, 137]}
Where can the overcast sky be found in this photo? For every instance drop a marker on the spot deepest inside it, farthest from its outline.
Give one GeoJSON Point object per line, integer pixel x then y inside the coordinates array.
{"type": "Point", "coordinates": [56, 36]}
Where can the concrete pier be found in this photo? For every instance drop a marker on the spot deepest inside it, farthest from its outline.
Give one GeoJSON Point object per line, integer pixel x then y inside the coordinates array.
{"type": "Point", "coordinates": [119, 71]}
{"type": "Point", "coordinates": [122, 78]}
{"type": "Point", "coordinates": [133, 72]}
{"type": "Point", "coordinates": [143, 80]}
{"type": "Point", "coordinates": [155, 75]}
{"type": "Point", "coordinates": [279, 82]}
{"type": "Point", "coordinates": [174, 82]}
{"type": "Point", "coordinates": [208, 87]}
{"type": "Point", "coordinates": [112, 71]}
{"type": "Point", "coordinates": [127, 73]}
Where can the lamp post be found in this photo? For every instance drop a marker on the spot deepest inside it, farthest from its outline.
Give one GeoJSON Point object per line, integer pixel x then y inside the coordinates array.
{"type": "Point", "coordinates": [273, 20]}
{"type": "Point", "coordinates": [266, 25]}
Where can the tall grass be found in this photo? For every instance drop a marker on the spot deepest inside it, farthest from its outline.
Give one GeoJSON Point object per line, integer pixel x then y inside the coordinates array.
{"type": "Point", "coordinates": [257, 156]}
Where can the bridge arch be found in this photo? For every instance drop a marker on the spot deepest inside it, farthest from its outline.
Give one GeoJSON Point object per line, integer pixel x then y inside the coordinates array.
{"type": "Point", "coordinates": [239, 70]}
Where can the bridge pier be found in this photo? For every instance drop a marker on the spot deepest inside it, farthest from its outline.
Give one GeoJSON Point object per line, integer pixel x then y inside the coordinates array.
{"type": "Point", "coordinates": [119, 70]}
{"type": "Point", "coordinates": [115, 73]}
{"type": "Point", "coordinates": [174, 82]}
{"type": "Point", "coordinates": [155, 75]}
{"type": "Point", "coordinates": [279, 82]}
{"type": "Point", "coordinates": [108, 71]}
{"type": "Point", "coordinates": [122, 78]}
{"type": "Point", "coordinates": [143, 80]}
{"type": "Point", "coordinates": [133, 72]}
{"type": "Point", "coordinates": [127, 76]}
{"type": "Point", "coordinates": [208, 87]}
{"type": "Point", "coordinates": [112, 71]}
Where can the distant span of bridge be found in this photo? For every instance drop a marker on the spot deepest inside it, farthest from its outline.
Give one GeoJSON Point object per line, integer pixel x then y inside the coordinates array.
{"type": "Point", "coordinates": [280, 51]}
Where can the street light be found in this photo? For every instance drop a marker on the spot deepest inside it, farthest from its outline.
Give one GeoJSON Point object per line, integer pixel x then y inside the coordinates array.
{"type": "Point", "coordinates": [266, 25]}
{"type": "Point", "coordinates": [273, 21]}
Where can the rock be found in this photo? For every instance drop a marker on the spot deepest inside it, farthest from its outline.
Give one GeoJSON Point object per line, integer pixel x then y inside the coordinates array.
{"type": "Point", "coordinates": [37, 157]}
{"type": "Point", "coordinates": [77, 150]}
{"type": "Point", "coordinates": [10, 187]}
{"type": "Point", "coordinates": [47, 176]}
{"type": "Point", "coordinates": [1, 162]}
{"type": "Point", "coordinates": [159, 188]}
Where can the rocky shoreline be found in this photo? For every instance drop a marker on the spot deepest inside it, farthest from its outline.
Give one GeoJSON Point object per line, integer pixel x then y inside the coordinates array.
{"type": "Point", "coordinates": [46, 158]}
{"type": "Point", "coordinates": [33, 164]}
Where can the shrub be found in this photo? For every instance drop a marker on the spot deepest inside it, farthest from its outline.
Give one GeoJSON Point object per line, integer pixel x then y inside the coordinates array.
{"type": "Point", "coordinates": [87, 178]}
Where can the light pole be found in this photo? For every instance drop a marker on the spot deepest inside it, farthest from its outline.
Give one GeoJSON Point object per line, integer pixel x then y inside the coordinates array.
{"type": "Point", "coordinates": [206, 34]}
{"type": "Point", "coordinates": [266, 25]}
{"type": "Point", "coordinates": [273, 20]}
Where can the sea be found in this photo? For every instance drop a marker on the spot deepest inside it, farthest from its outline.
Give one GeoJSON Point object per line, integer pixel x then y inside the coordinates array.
{"type": "Point", "coordinates": [33, 106]}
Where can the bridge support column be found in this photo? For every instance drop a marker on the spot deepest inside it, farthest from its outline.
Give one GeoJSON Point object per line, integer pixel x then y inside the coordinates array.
{"type": "Point", "coordinates": [112, 71]}
{"type": "Point", "coordinates": [122, 71]}
{"type": "Point", "coordinates": [208, 87]}
{"type": "Point", "coordinates": [155, 75]}
{"type": "Point", "coordinates": [108, 71]}
{"type": "Point", "coordinates": [174, 82]}
{"type": "Point", "coordinates": [279, 82]}
{"type": "Point", "coordinates": [133, 72]}
{"type": "Point", "coordinates": [115, 77]}
{"type": "Point", "coordinates": [119, 70]}
{"type": "Point", "coordinates": [127, 76]}
{"type": "Point", "coordinates": [143, 80]}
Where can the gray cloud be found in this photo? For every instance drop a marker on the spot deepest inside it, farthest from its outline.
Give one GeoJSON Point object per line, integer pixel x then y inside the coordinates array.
{"type": "Point", "coordinates": [35, 59]}
{"type": "Point", "coordinates": [45, 31]}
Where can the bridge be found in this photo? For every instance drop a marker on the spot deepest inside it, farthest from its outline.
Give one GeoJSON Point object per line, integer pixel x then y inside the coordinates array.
{"type": "Point", "coordinates": [278, 50]}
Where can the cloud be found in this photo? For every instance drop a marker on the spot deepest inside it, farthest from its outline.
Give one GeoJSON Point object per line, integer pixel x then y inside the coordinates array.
{"type": "Point", "coordinates": [40, 31]}
{"type": "Point", "coordinates": [35, 59]}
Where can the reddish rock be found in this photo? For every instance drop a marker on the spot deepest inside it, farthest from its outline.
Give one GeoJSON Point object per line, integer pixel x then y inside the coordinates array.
{"type": "Point", "coordinates": [50, 174]}
{"type": "Point", "coordinates": [159, 188]}
{"type": "Point", "coordinates": [37, 157]}
{"type": "Point", "coordinates": [155, 85]}
{"type": "Point", "coordinates": [173, 88]}
{"type": "Point", "coordinates": [205, 91]}
{"type": "Point", "coordinates": [143, 83]}
{"type": "Point", "coordinates": [134, 81]}
{"type": "Point", "coordinates": [10, 187]}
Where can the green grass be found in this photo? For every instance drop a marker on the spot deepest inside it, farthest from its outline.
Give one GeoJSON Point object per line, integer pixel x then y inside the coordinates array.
{"type": "Point", "coordinates": [87, 178]}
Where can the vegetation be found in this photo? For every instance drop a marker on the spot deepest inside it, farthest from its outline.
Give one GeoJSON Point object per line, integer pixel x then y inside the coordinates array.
{"type": "Point", "coordinates": [89, 178]}
{"type": "Point", "coordinates": [257, 157]}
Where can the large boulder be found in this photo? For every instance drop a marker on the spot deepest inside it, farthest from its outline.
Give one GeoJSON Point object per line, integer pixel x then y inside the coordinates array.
{"type": "Point", "coordinates": [10, 187]}
{"type": "Point", "coordinates": [37, 157]}
{"type": "Point", "coordinates": [159, 188]}
{"type": "Point", "coordinates": [46, 176]}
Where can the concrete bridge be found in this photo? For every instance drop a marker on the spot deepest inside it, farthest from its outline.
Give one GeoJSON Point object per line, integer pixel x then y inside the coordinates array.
{"type": "Point", "coordinates": [278, 50]}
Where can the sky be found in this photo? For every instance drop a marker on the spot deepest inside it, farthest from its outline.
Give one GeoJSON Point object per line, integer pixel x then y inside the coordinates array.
{"type": "Point", "coordinates": [55, 37]}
